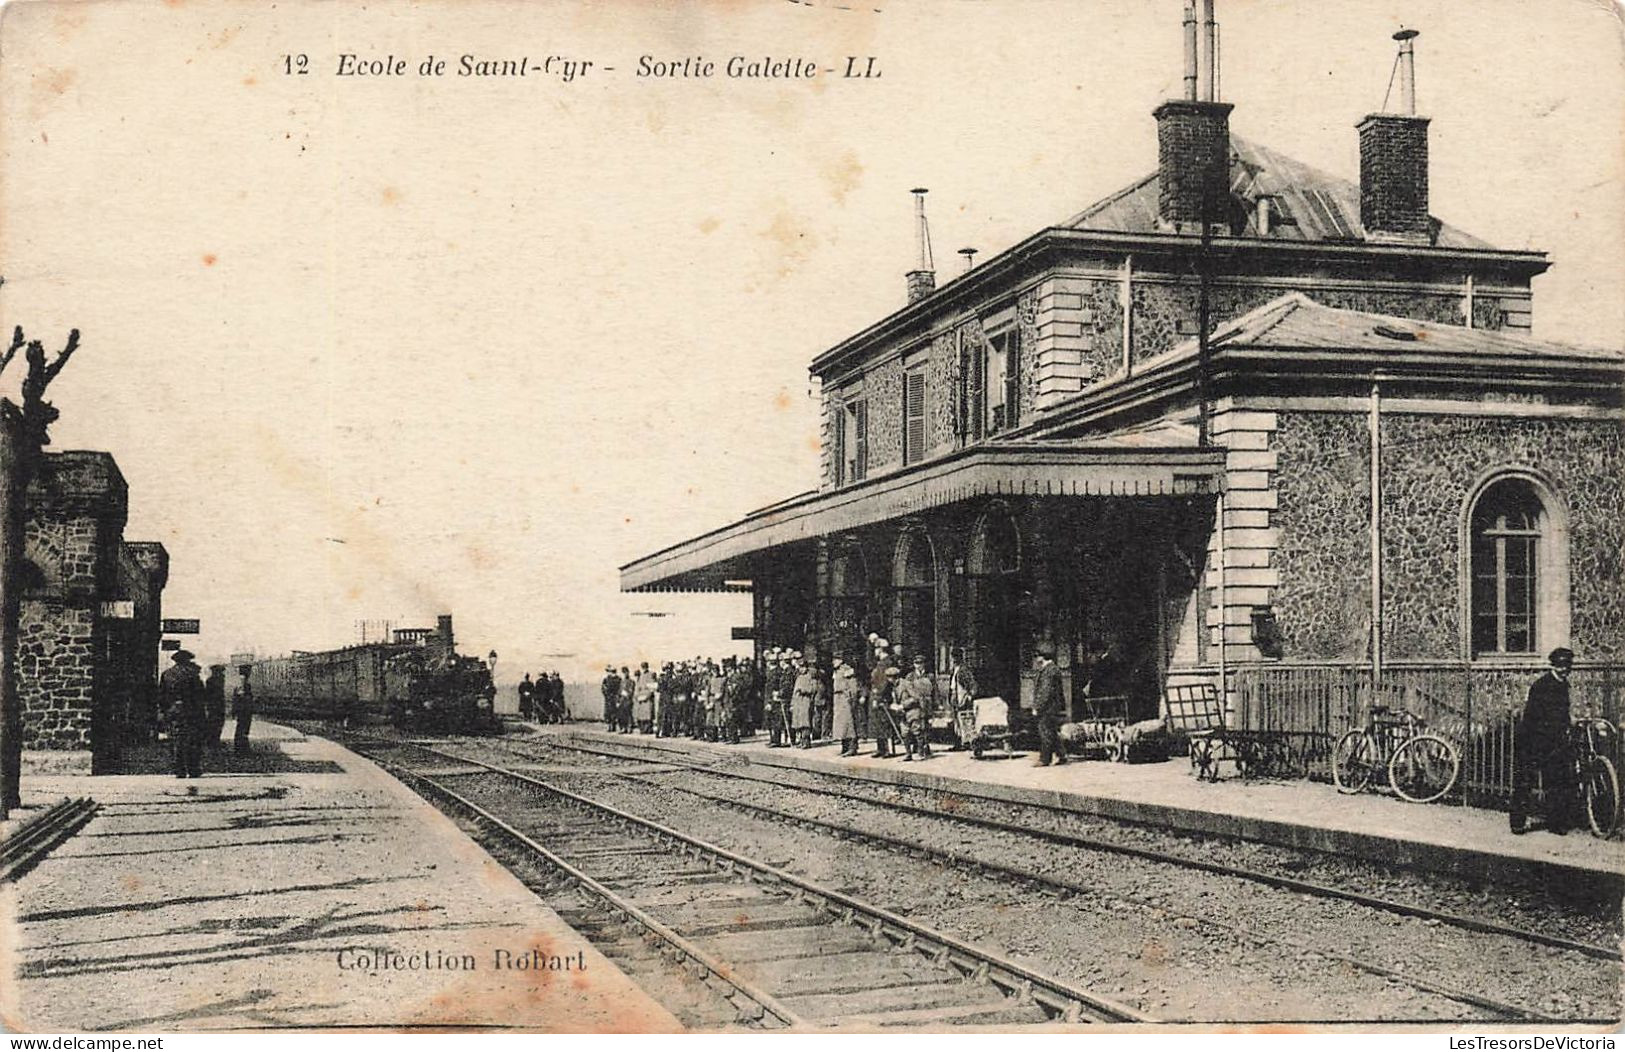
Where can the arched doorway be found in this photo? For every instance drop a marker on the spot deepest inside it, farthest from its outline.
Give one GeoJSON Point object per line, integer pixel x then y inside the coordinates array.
{"type": "Point", "coordinates": [993, 596]}
{"type": "Point", "coordinates": [914, 592]}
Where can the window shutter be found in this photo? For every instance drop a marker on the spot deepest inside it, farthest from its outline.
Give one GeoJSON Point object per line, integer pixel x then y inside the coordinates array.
{"type": "Point", "coordinates": [838, 422]}
{"type": "Point", "coordinates": [1012, 378]}
{"type": "Point", "coordinates": [860, 425]}
{"type": "Point", "coordinates": [978, 400]}
{"type": "Point", "coordinates": [913, 416]}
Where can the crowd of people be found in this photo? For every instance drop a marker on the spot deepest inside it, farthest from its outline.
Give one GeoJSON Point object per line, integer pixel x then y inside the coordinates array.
{"type": "Point", "coordinates": [542, 701]}
{"type": "Point", "coordinates": [889, 699]}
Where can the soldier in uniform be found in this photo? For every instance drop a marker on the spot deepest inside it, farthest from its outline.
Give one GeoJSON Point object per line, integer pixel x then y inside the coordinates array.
{"type": "Point", "coordinates": [1048, 703]}
{"type": "Point", "coordinates": [181, 697]}
{"type": "Point", "coordinates": [845, 701]}
{"type": "Point", "coordinates": [805, 697]}
{"type": "Point", "coordinates": [716, 698]}
{"type": "Point", "coordinates": [668, 699]}
{"type": "Point", "coordinates": [882, 680]}
{"type": "Point", "coordinates": [611, 688]}
{"type": "Point", "coordinates": [1541, 745]}
{"type": "Point", "coordinates": [623, 709]}
{"type": "Point", "coordinates": [735, 695]}
{"type": "Point", "coordinates": [917, 697]}
{"type": "Point", "coordinates": [555, 694]}
{"type": "Point", "coordinates": [644, 693]}
{"type": "Point", "coordinates": [773, 698]}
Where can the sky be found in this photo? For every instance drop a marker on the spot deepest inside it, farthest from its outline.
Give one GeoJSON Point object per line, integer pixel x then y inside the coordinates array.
{"type": "Point", "coordinates": [387, 347]}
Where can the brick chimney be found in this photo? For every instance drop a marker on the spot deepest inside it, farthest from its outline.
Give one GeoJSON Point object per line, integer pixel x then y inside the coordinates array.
{"type": "Point", "coordinates": [921, 283]}
{"type": "Point", "coordinates": [1394, 161]}
{"type": "Point", "coordinates": [1193, 133]}
{"type": "Point", "coordinates": [1193, 159]}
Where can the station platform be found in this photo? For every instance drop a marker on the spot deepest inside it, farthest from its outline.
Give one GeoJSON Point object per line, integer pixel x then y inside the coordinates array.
{"type": "Point", "coordinates": [1467, 841]}
{"type": "Point", "coordinates": [302, 887]}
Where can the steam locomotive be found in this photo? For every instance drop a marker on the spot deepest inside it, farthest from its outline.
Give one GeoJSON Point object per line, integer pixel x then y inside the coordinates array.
{"type": "Point", "coordinates": [416, 681]}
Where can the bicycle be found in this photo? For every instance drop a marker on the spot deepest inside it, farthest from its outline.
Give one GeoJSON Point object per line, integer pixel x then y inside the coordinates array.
{"type": "Point", "coordinates": [1595, 777]}
{"type": "Point", "coordinates": [1421, 767]}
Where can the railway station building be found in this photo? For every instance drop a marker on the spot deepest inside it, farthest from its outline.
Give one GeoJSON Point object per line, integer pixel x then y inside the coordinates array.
{"type": "Point", "coordinates": [1362, 465]}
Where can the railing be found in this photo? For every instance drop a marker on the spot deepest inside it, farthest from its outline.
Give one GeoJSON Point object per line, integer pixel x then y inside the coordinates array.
{"type": "Point", "coordinates": [1473, 706]}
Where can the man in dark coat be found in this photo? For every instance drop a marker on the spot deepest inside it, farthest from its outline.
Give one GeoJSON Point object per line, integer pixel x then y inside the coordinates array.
{"type": "Point", "coordinates": [242, 707]}
{"type": "Point", "coordinates": [1048, 705]}
{"type": "Point", "coordinates": [527, 697]}
{"type": "Point", "coordinates": [611, 687]}
{"type": "Point", "coordinates": [214, 689]}
{"type": "Point", "coordinates": [1542, 745]}
{"type": "Point", "coordinates": [555, 696]}
{"type": "Point", "coordinates": [181, 698]}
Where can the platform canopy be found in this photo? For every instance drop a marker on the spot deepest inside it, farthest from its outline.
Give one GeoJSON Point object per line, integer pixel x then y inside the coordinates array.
{"type": "Point", "coordinates": [720, 560]}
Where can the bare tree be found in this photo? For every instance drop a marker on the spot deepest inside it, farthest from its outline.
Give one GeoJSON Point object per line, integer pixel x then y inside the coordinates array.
{"type": "Point", "coordinates": [24, 434]}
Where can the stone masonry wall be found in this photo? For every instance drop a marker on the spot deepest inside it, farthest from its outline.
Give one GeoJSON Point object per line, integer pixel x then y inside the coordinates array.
{"type": "Point", "coordinates": [1430, 463]}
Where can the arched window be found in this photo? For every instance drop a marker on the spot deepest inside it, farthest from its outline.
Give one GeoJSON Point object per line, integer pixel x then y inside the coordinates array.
{"type": "Point", "coordinates": [1517, 569]}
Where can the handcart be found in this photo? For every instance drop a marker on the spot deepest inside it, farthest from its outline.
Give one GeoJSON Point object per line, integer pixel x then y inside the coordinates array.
{"type": "Point", "coordinates": [989, 727]}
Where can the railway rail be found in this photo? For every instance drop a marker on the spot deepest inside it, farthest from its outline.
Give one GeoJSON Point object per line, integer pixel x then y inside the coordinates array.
{"type": "Point", "coordinates": [1264, 877]}
{"type": "Point", "coordinates": [1061, 885]}
{"type": "Point", "coordinates": [794, 953]}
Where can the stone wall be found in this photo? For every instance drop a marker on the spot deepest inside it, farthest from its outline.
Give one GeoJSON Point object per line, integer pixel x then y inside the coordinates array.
{"type": "Point", "coordinates": [76, 514]}
{"type": "Point", "coordinates": [1430, 464]}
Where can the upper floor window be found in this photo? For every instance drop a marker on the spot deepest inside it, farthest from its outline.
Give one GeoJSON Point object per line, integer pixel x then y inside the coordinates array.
{"type": "Point", "coordinates": [852, 442]}
{"type": "Point", "coordinates": [1518, 591]}
{"type": "Point", "coordinates": [1003, 372]}
{"type": "Point", "coordinates": [914, 415]}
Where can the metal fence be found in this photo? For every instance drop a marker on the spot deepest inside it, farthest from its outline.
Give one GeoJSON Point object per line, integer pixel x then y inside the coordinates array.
{"type": "Point", "coordinates": [1474, 707]}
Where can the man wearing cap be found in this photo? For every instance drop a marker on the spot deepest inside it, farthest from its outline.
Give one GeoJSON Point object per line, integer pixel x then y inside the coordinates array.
{"type": "Point", "coordinates": [777, 698]}
{"type": "Point", "coordinates": [181, 699]}
{"type": "Point", "coordinates": [1048, 705]}
{"type": "Point", "coordinates": [804, 700]}
{"type": "Point", "coordinates": [242, 709]}
{"type": "Point", "coordinates": [1541, 744]}
{"type": "Point", "coordinates": [611, 688]}
{"type": "Point", "coordinates": [881, 679]}
{"type": "Point", "coordinates": [844, 718]}
{"type": "Point", "coordinates": [917, 696]}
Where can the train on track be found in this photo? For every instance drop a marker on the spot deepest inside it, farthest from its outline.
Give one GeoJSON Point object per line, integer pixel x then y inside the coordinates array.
{"type": "Point", "coordinates": [415, 680]}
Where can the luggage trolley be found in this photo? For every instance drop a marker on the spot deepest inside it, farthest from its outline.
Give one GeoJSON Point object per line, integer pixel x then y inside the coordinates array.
{"type": "Point", "coordinates": [986, 726]}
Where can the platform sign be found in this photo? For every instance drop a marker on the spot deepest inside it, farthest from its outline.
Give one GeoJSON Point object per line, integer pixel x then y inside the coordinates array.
{"type": "Point", "coordinates": [118, 609]}
{"type": "Point", "coordinates": [169, 644]}
{"type": "Point", "coordinates": [180, 626]}
{"type": "Point", "coordinates": [744, 632]}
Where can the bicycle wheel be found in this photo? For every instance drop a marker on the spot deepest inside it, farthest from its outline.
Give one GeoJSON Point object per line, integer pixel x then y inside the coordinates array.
{"type": "Point", "coordinates": [1423, 768]}
{"type": "Point", "coordinates": [1599, 789]}
{"type": "Point", "coordinates": [1354, 761]}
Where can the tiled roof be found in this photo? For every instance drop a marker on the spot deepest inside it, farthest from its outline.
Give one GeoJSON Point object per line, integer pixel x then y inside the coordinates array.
{"type": "Point", "coordinates": [1295, 320]}
{"type": "Point", "coordinates": [1307, 205]}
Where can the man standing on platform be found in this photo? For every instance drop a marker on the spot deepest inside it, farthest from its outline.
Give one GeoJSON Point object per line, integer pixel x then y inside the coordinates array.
{"type": "Point", "coordinates": [962, 697]}
{"type": "Point", "coordinates": [181, 698]}
{"type": "Point", "coordinates": [214, 690]}
{"type": "Point", "coordinates": [1048, 704]}
{"type": "Point", "coordinates": [1541, 744]}
{"type": "Point", "coordinates": [773, 699]}
{"type": "Point", "coordinates": [242, 709]}
{"type": "Point", "coordinates": [844, 719]}
{"type": "Point", "coordinates": [882, 682]}
{"type": "Point", "coordinates": [918, 697]}
{"type": "Point", "coordinates": [527, 697]}
{"type": "Point", "coordinates": [611, 688]}
{"type": "Point", "coordinates": [805, 699]}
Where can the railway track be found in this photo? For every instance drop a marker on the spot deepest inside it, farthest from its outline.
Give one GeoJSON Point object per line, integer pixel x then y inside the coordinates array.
{"type": "Point", "coordinates": [793, 954]}
{"type": "Point", "coordinates": [1066, 887]}
{"type": "Point", "coordinates": [35, 838]}
{"type": "Point", "coordinates": [1263, 877]}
